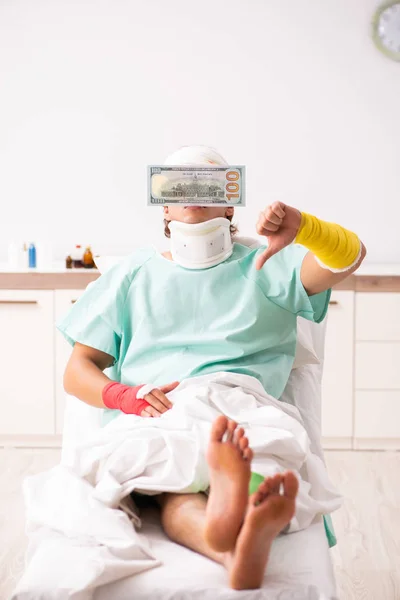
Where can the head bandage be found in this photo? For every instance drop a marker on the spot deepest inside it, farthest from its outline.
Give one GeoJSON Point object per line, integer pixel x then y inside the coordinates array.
{"type": "Point", "coordinates": [194, 156]}
{"type": "Point", "coordinates": [201, 245]}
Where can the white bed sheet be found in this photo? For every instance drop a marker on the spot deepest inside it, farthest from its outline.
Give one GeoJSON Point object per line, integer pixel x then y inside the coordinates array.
{"type": "Point", "coordinates": [300, 565]}
{"type": "Point", "coordinates": [300, 568]}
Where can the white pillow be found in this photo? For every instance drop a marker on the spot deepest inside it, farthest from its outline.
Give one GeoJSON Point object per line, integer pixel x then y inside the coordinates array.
{"type": "Point", "coordinates": [305, 351]}
{"type": "Point", "coordinates": [104, 263]}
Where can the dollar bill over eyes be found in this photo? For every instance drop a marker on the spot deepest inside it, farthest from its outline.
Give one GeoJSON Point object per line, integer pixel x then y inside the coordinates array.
{"type": "Point", "coordinates": [201, 186]}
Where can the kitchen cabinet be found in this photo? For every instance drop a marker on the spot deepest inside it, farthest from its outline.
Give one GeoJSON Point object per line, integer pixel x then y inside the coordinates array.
{"type": "Point", "coordinates": [337, 379]}
{"type": "Point", "coordinates": [27, 363]}
{"type": "Point", "coordinates": [63, 301]}
{"type": "Point", "coordinates": [377, 420]}
{"type": "Point", "coordinates": [377, 371]}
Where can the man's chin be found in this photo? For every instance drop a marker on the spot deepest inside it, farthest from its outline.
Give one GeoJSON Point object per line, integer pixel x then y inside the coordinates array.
{"type": "Point", "coordinates": [196, 214]}
{"type": "Point", "coordinates": [192, 220]}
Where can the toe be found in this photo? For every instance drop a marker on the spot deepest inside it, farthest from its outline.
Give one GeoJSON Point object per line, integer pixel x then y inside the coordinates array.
{"type": "Point", "coordinates": [230, 431]}
{"type": "Point", "coordinates": [243, 444]}
{"type": "Point", "coordinates": [239, 433]}
{"type": "Point", "coordinates": [218, 429]}
{"type": "Point", "coordinates": [264, 487]}
{"type": "Point", "coordinates": [255, 498]}
{"type": "Point", "coordinates": [248, 454]}
{"type": "Point", "coordinates": [276, 483]}
{"type": "Point", "coordinates": [290, 484]}
{"type": "Point", "coordinates": [267, 484]}
{"type": "Point", "coordinates": [259, 497]}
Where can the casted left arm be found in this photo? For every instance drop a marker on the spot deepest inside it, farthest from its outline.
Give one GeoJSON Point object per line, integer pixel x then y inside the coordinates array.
{"type": "Point", "coordinates": [335, 253]}
{"type": "Point", "coordinates": [315, 279]}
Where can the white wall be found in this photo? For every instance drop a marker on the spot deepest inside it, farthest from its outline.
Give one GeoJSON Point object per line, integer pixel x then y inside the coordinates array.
{"type": "Point", "coordinates": [90, 93]}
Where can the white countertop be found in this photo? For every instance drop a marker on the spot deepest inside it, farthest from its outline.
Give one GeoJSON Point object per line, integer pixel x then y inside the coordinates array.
{"type": "Point", "coordinates": [371, 269]}
{"type": "Point", "coordinates": [365, 269]}
{"type": "Point", "coordinates": [57, 268]}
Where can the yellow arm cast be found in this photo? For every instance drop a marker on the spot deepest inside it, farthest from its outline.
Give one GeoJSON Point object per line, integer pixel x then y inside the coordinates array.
{"type": "Point", "coordinates": [335, 247]}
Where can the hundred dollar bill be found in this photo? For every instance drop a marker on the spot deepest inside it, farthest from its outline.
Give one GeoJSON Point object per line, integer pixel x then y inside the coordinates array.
{"type": "Point", "coordinates": [219, 186]}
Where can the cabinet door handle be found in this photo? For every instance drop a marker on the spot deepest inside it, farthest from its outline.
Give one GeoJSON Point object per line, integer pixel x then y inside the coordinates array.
{"type": "Point", "coordinates": [73, 301]}
{"type": "Point", "coordinates": [18, 302]}
{"type": "Point", "coordinates": [333, 302]}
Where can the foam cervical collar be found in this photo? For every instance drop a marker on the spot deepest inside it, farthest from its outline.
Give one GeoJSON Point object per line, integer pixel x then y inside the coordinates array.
{"type": "Point", "coordinates": [201, 245]}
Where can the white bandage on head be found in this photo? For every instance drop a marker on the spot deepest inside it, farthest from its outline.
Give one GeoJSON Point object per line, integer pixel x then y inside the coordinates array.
{"type": "Point", "coordinates": [195, 155]}
{"type": "Point", "coordinates": [199, 245]}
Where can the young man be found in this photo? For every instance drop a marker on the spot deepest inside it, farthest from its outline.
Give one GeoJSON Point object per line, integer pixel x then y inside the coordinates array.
{"type": "Point", "coordinates": [159, 319]}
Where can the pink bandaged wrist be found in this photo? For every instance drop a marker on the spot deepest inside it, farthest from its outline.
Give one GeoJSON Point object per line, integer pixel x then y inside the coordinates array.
{"type": "Point", "coordinates": [125, 398]}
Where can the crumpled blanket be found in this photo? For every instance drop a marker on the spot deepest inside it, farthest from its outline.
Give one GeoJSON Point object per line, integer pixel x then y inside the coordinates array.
{"type": "Point", "coordinates": [79, 536]}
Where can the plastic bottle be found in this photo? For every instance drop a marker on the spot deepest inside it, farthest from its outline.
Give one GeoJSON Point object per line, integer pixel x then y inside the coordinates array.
{"type": "Point", "coordinates": [77, 257]}
{"type": "Point", "coordinates": [32, 256]}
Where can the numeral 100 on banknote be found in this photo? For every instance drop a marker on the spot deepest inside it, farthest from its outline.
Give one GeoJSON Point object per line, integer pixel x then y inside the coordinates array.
{"type": "Point", "coordinates": [219, 186]}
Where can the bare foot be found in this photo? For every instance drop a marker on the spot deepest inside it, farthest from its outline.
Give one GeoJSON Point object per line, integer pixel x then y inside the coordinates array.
{"type": "Point", "coordinates": [229, 460]}
{"type": "Point", "coordinates": [268, 513]}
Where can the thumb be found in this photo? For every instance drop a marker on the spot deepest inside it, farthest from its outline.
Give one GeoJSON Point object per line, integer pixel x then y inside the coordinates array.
{"type": "Point", "coordinates": [267, 254]}
{"type": "Point", "coordinates": [169, 387]}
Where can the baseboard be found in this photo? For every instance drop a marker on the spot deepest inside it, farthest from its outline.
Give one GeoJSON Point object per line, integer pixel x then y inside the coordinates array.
{"type": "Point", "coordinates": [337, 443]}
{"type": "Point", "coordinates": [376, 444]}
{"type": "Point", "coordinates": [328, 443]}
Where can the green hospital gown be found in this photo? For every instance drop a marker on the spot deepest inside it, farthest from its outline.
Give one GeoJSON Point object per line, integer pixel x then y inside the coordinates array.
{"type": "Point", "coordinates": [162, 323]}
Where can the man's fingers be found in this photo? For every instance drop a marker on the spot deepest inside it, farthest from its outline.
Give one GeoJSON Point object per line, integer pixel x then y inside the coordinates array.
{"type": "Point", "coordinates": [158, 401]}
{"type": "Point", "coordinates": [278, 208]}
{"type": "Point", "coordinates": [264, 228]}
{"type": "Point", "coordinates": [262, 259]}
{"type": "Point", "coordinates": [268, 222]}
{"type": "Point", "coordinates": [149, 411]}
{"type": "Point", "coordinates": [269, 226]}
{"type": "Point", "coordinates": [162, 398]}
{"type": "Point", "coordinates": [153, 411]}
{"type": "Point", "coordinates": [155, 402]}
{"type": "Point", "coordinates": [271, 217]}
{"type": "Point", "coordinates": [169, 387]}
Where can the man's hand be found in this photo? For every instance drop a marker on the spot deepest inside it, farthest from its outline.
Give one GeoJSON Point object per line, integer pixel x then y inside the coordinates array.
{"type": "Point", "coordinates": [158, 401]}
{"type": "Point", "coordinates": [280, 224]}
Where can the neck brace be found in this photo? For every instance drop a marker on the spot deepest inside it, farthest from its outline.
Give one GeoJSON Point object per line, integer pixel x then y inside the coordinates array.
{"type": "Point", "coordinates": [201, 245]}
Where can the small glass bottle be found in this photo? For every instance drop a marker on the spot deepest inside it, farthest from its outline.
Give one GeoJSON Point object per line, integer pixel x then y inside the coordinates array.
{"type": "Point", "coordinates": [68, 262]}
{"type": "Point", "coordinates": [88, 261]}
{"type": "Point", "coordinates": [25, 259]}
{"type": "Point", "coordinates": [77, 257]}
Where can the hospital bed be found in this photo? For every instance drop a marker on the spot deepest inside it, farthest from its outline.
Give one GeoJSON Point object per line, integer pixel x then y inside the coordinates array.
{"type": "Point", "coordinates": [300, 565]}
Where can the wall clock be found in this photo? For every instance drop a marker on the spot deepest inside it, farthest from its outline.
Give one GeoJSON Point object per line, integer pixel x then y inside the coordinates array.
{"type": "Point", "coordinates": [386, 29]}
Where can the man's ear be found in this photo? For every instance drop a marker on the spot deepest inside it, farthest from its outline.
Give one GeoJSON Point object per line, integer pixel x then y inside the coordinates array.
{"type": "Point", "coordinates": [166, 213]}
{"type": "Point", "coordinates": [230, 211]}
